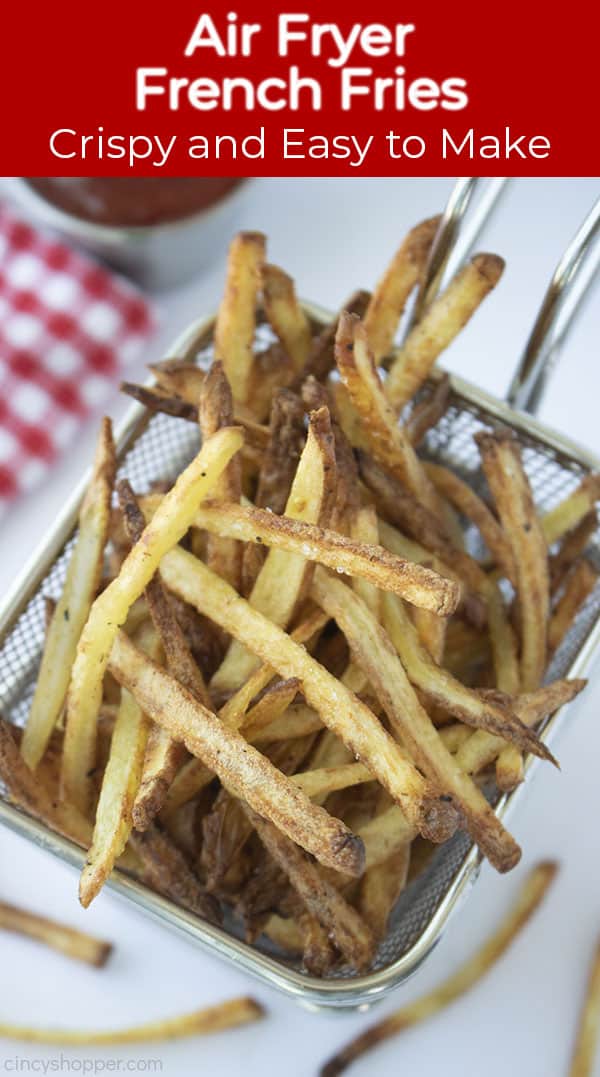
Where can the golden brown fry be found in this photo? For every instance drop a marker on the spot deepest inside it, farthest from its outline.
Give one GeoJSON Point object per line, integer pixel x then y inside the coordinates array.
{"type": "Point", "coordinates": [571, 511]}
{"type": "Point", "coordinates": [428, 410]}
{"type": "Point", "coordinates": [170, 522]}
{"type": "Point", "coordinates": [471, 505]}
{"type": "Point", "coordinates": [298, 721]}
{"type": "Point", "coordinates": [579, 584]}
{"type": "Point", "coordinates": [386, 437]}
{"type": "Point", "coordinates": [238, 1011]}
{"type": "Point", "coordinates": [380, 889]}
{"type": "Point", "coordinates": [75, 944]}
{"type": "Point", "coordinates": [340, 710]}
{"type": "Point", "coordinates": [318, 953]}
{"type": "Point", "coordinates": [440, 686]}
{"type": "Point", "coordinates": [285, 933]}
{"type": "Point", "coordinates": [344, 925]}
{"type": "Point", "coordinates": [287, 436]}
{"type": "Point", "coordinates": [270, 706]}
{"type": "Point", "coordinates": [325, 780]}
{"type": "Point", "coordinates": [28, 791]}
{"type": "Point", "coordinates": [179, 377]}
{"type": "Point", "coordinates": [431, 630]}
{"type": "Point", "coordinates": [571, 548]}
{"type": "Point", "coordinates": [194, 776]}
{"type": "Point", "coordinates": [163, 754]}
{"type": "Point", "coordinates": [481, 749]}
{"type": "Point", "coordinates": [375, 653]}
{"type": "Point", "coordinates": [439, 325]}
{"type": "Point", "coordinates": [403, 273]}
{"type": "Point", "coordinates": [528, 900]}
{"type": "Point", "coordinates": [322, 360]}
{"type": "Point", "coordinates": [503, 467]}
{"type": "Point", "coordinates": [285, 577]}
{"type": "Point", "coordinates": [286, 316]}
{"type": "Point", "coordinates": [584, 1050]}
{"type": "Point", "coordinates": [232, 758]}
{"type": "Point", "coordinates": [223, 555]}
{"type": "Point", "coordinates": [79, 591]}
{"type": "Point", "coordinates": [236, 321]}
{"type": "Point", "coordinates": [164, 868]}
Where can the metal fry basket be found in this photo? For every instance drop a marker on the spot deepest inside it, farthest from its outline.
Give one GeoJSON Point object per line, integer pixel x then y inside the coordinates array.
{"type": "Point", "coordinates": [158, 447]}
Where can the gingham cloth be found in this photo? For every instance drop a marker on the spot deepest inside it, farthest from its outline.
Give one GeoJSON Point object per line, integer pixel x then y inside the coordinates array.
{"type": "Point", "coordinates": [67, 327]}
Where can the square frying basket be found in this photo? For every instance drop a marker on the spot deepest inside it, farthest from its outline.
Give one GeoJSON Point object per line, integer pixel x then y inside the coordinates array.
{"type": "Point", "coordinates": [157, 447]}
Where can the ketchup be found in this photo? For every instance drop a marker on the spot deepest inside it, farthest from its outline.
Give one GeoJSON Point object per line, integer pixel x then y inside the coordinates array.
{"type": "Point", "coordinates": [133, 201]}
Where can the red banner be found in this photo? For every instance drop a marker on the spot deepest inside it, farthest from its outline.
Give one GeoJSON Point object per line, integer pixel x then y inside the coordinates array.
{"type": "Point", "coordinates": [315, 88]}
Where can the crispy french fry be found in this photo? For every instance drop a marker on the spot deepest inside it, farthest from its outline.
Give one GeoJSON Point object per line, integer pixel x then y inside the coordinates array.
{"type": "Point", "coordinates": [285, 577]}
{"type": "Point", "coordinates": [481, 749]}
{"type": "Point", "coordinates": [238, 1011]}
{"type": "Point", "coordinates": [165, 869]}
{"type": "Point", "coordinates": [322, 360]}
{"type": "Point", "coordinates": [387, 439]}
{"type": "Point", "coordinates": [471, 505]}
{"type": "Point", "coordinates": [169, 524]}
{"type": "Point", "coordinates": [571, 511]}
{"type": "Point", "coordinates": [72, 609]}
{"type": "Point", "coordinates": [440, 686]}
{"type": "Point", "coordinates": [232, 758]}
{"type": "Point", "coordinates": [75, 944]}
{"type": "Point", "coordinates": [286, 316]}
{"type": "Point", "coordinates": [503, 467]}
{"type": "Point", "coordinates": [439, 325]}
{"type": "Point", "coordinates": [578, 586]}
{"type": "Point", "coordinates": [339, 709]}
{"type": "Point", "coordinates": [584, 1050]}
{"type": "Point", "coordinates": [223, 555]}
{"type": "Point", "coordinates": [163, 754]}
{"type": "Point", "coordinates": [270, 707]}
{"type": "Point", "coordinates": [318, 953]}
{"type": "Point", "coordinates": [403, 273]}
{"type": "Point", "coordinates": [374, 651]}
{"type": "Point", "coordinates": [325, 780]}
{"type": "Point", "coordinates": [236, 321]}
{"type": "Point", "coordinates": [533, 891]}
{"type": "Point", "coordinates": [428, 410]}
{"type": "Point", "coordinates": [380, 889]}
{"type": "Point", "coordinates": [571, 548]}
{"type": "Point", "coordinates": [347, 929]}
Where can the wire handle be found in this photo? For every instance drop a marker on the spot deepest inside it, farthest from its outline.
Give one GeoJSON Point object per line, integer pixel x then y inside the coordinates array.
{"type": "Point", "coordinates": [570, 282]}
{"type": "Point", "coordinates": [459, 229]}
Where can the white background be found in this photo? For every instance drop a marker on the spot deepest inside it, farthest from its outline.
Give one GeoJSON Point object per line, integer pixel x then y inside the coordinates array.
{"type": "Point", "coordinates": [334, 235]}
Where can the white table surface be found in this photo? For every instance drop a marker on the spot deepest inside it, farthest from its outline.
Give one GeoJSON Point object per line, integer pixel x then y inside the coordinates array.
{"type": "Point", "coordinates": [333, 235]}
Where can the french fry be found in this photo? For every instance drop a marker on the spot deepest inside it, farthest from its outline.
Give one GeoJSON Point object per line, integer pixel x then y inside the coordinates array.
{"type": "Point", "coordinates": [502, 464]}
{"type": "Point", "coordinates": [72, 609]}
{"type": "Point", "coordinates": [440, 686]}
{"type": "Point", "coordinates": [286, 441]}
{"type": "Point", "coordinates": [285, 577]}
{"type": "Point", "coordinates": [74, 944]}
{"type": "Point", "coordinates": [325, 780]}
{"type": "Point", "coordinates": [578, 586]}
{"type": "Point", "coordinates": [347, 929]}
{"type": "Point", "coordinates": [223, 555]}
{"type": "Point", "coordinates": [391, 294]}
{"type": "Point", "coordinates": [179, 377]}
{"type": "Point", "coordinates": [387, 439]}
{"type": "Point", "coordinates": [428, 410]}
{"type": "Point", "coordinates": [169, 524]}
{"type": "Point", "coordinates": [238, 1011]}
{"type": "Point", "coordinates": [481, 749]}
{"type": "Point", "coordinates": [380, 889]}
{"type": "Point", "coordinates": [572, 510]}
{"type": "Point", "coordinates": [533, 891]}
{"type": "Point", "coordinates": [470, 505]}
{"type": "Point", "coordinates": [340, 710]}
{"type": "Point", "coordinates": [571, 548]}
{"type": "Point", "coordinates": [236, 321]}
{"type": "Point", "coordinates": [584, 1050]}
{"type": "Point", "coordinates": [275, 702]}
{"type": "Point", "coordinates": [163, 754]}
{"type": "Point", "coordinates": [440, 323]}
{"type": "Point", "coordinates": [286, 316]}
{"type": "Point", "coordinates": [318, 953]}
{"type": "Point", "coordinates": [374, 651]}
{"type": "Point", "coordinates": [322, 360]}
{"type": "Point", "coordinates": [285, 933]}
{"type": "Point", "coordinates": [232, 758]}
{"type": "Point", "coordinates": [165, 869]}
{"type": "Point", "coordinates": [298, 721]}
{"type": "Point", "coordinates": [384, 835]}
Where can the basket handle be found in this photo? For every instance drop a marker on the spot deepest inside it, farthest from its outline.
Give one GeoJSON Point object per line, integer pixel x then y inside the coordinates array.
{"type": "Point", "coordinates": [567, 289]}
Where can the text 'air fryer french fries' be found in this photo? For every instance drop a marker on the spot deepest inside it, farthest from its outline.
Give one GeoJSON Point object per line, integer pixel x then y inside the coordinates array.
{"type": "Point", "coordinates": [293, 665]}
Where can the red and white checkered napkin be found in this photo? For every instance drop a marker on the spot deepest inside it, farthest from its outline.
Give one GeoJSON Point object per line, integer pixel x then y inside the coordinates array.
{"type": "Point", "coordinates": [67, 327]}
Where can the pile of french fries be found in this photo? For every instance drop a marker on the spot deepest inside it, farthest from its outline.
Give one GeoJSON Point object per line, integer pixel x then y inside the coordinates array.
{"type": "Point", "coordinates": [274, 686]}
